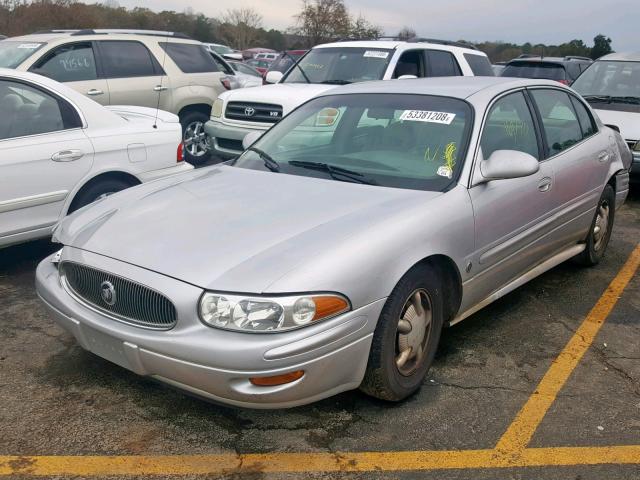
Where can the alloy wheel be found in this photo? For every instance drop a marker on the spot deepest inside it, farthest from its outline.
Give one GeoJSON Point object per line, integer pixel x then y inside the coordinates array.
{"type": "Point", "coordinates": [195, 139]}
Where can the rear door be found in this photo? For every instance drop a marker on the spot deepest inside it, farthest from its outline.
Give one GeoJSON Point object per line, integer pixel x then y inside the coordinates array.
{"type": "Point", "coordinates": [44, 154]}
{"type": "Point", "coordinates": [441, 63]}
{"type": "Point", "coordinates": [133, 74]}
{"type": "Point", "coordinates": [580, 156]}
{"type": "Point", "coordinates": [512, 216]}
{"type": "Point", "coordinates": [74, 64]}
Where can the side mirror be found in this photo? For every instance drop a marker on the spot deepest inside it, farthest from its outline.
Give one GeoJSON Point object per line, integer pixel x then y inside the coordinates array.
{"type": "Point", "coordinates": [503, 164]}
{"type": "Point", "coordinates": [250, 138]}
{"type": "Point", "coordinates": [407, 77]}
{"type": "Point", "coordinates": [273, 77]}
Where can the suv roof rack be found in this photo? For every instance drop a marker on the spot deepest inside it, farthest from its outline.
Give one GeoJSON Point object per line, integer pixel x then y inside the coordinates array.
{"type": "Point", "coordinates": [578, 57]}
{"type": "Point", "coordinates": [106, 31]}
{"type": "Point", "coordinates": [449, 43]}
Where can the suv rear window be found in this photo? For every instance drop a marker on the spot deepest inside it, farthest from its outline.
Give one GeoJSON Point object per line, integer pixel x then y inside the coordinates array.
{"type": "Point", "coordinates": [123, 59]}
{"type": "Point", "coordinates": [190, 58]}
{"type": "Point", "coordinates": [549, 71]}
{"type": "Point", "coordinates": [480, 65]}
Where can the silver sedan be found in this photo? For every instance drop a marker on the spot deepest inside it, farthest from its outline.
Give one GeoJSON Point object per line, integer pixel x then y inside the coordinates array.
{"type": "Point", "coordinates": [330, 255]}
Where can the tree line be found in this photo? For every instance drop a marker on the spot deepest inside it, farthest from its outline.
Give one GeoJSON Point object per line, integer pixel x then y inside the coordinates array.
{"type": "Point", "coordinates": [318, 21]}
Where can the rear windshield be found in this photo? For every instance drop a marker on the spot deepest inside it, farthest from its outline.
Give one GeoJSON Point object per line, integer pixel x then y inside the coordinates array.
{"type": "Point", "coordinates": [190, 58]}
{"type": "Point", "coordinates": [479, 64]}
{"type": "Point", "coordinates": [13, 53]}
{"type": "Point", "coordinates": [550, 71]}
{"type": "Point", "coordinates": [341, 65]}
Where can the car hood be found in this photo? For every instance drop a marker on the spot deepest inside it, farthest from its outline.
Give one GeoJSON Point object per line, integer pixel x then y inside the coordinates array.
{"type": "Point", "coordinates": [231, 229]}
{"type": "Point", "coordinates": [627, 122]}
{"type": "Point", "coordinates": [289, 95]}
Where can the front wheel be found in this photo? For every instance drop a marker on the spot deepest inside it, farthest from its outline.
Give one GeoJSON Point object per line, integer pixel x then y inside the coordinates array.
{"type": "Point", "coordinates": [406, 337]}
{"type": "Point", "coordinates": [600, 231]}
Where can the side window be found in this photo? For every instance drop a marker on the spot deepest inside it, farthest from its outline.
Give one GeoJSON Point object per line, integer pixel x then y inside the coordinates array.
{"type": "Point", "coordinates": [480, 65]}
{"type": "Point", "coordinates": [30, 111]}
{"type": "Point", "coordinates": [587, 123]}
{"type": "Point", "coordinates": [410, 63]}
{"type": "Point", "coordinates": [559, 120]}
{"type": "Point", "coordinates": [124, 59]}
{"type": "Point", "coordinates": [509, 126]}
{"type": "Point", "coordinates": [190, 57]}
{"type": "Point", "coordinates": [69, 63]}
{"type": "Point", "coordinates": [442, 64]}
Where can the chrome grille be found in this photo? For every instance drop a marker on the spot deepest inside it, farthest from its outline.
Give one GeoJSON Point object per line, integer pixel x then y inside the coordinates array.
{"type": "Point", "coordinates": [132, 302]}
{"type": "Point", "coordinates": [254, 112]}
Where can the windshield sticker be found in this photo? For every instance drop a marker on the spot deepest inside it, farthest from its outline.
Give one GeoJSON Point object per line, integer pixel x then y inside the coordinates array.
{"type": "Point", "coordinates": [375, 54]}
{"type": "Point", "coordinates": [449, 158]}
{"type": "Point", "coordinates": [30, 46]}
{"type": "Point", "coordinates": [427, 116]}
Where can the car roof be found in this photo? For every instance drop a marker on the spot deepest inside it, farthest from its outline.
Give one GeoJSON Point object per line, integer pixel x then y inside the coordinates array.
{"type": "Point", "coordinates": [116, 34]}
{"type": "Point", "coordinates": [395, 44]}
{"type": "Point", "coordinates": [622, 57]}
{"type": "Point", "coordinates": [457, 87]}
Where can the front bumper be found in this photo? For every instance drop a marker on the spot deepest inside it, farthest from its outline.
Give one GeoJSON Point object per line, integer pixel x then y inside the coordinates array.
{"type": "Point", "coordinates": [212, 363]}
{"type": "Point", "coordinates": [226, 139]}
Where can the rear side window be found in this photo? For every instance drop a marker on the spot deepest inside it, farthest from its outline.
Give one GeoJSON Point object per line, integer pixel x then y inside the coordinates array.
{"type": "Point", "coordinates": [190, 58]}
{"type": "Point", "coordinates": [122, 59]}
{"type": "Point", "coordinates": [509, 126]}
{"type": "Point", "coordinates": [442, 64]}
{"type": "Point", "coordinates": [480, 65]}
{"type": "Point", "coordinates": [549, 71]}
{"type": "Point", "coordinates": [69, 63]}
{"type": "Point", "coordinates": [559, 120]}
{"type": "Point", "coordinates": [587, 123]}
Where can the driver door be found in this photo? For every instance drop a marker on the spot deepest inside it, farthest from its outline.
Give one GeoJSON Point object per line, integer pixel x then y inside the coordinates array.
{"type": "Point", "coordinates": [512, 216]}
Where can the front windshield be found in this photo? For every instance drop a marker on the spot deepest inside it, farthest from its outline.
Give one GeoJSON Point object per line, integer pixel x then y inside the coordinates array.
{"type": "Point", "coordinates": [391, 140]}
{"type": "Point", "coordinates": [341, 65]}
{"type": "Point", "coordinates": [14, 53]}
{"type": "Point", "coordinates": [611, 79]}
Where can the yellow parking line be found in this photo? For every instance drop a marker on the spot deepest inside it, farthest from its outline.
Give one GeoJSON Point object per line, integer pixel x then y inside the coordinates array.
{"type": "Point", "coordinates": [519, 433]}
{"type": "Point", "coordinates": [511, 451]}
{"type": "Point", "coordinates": [316, 462]}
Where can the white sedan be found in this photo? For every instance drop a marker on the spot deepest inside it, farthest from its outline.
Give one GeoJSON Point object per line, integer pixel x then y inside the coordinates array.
{"type": "Point", "coordinates": [60, 151]}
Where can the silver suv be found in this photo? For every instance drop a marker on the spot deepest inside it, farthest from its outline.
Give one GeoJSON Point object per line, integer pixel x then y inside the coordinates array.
{"type": "Point", "coordinates": [163, 70]}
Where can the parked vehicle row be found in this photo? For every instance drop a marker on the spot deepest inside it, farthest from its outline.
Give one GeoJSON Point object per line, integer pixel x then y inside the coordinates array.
{"type": "Point", "coordinates": [380, 213]}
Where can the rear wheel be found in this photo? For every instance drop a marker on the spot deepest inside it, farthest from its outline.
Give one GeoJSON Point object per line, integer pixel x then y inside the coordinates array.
{"type": "Point", "coordinates": [406, 337]}
{"type": "Point", "coordinates": [196, 143]}
{"type": "Point", "coordinates": [97, 191]}
{"type": "Point", "coordinates": [600, 232]}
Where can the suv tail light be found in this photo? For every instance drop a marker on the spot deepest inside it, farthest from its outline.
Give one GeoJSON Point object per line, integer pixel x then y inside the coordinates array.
{"type": "Point", "coordinates": [226, 83]}
{"type": "Point", "coordinates": [564, 82]}
{"type": "Point", "coordinates": [180, 153]}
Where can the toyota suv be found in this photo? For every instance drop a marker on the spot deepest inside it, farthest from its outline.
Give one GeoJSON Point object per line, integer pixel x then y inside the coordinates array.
{"type": "Point", "coordinates": [145, 68]}
{"type": "Point", "coordinates": [237, 113]}
{"type": "Point", "coordinates": [612, 86]}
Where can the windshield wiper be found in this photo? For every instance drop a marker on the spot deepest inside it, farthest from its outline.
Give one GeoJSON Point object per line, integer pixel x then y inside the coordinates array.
{"type": "Point", "coordinates": [268, 160]}
{"type": "Point", "coordinates": [296, 63]}
{"type": "Point", "coordinates": [336, 82]}
{"type": "Point", "coordinates": [335, 172]}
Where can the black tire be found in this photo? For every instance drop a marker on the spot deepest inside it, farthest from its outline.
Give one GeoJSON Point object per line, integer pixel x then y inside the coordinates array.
{"type": "Point", "coordinates": [383, 378]}
{"type": "Point", "coordinates": [188, 120]}
{"type": "Point", "coordinates": [596, 246]}
{"type": "Point", "coordinates": [92, 192]}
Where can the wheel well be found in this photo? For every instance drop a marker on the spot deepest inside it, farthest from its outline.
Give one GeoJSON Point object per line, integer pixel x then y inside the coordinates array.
{"type": "Point", "coordinates": [125, 177]}
{"type": "Point", "coordinates": [451, 283]}
{"type": "Point", "coordinates": [612, 181]}
{"type": "Point", "coordinates": [198, 107]}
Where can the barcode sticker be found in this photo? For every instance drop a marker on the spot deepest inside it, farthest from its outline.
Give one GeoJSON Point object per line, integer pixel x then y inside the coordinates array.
{"type": "Point", "coordinates": [428, 116]}
{"type": "Point", "coordinates": [30, 46]}
{"type": "Point", "coordinates": [375, 54]}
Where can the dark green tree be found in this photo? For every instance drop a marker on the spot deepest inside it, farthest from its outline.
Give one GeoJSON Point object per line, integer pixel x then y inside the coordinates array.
{"type": "Point", "coordinates": [601, 46]}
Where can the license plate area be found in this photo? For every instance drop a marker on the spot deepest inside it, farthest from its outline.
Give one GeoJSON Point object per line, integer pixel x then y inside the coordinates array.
{"type": "Point", "coordinates": [105, 346]}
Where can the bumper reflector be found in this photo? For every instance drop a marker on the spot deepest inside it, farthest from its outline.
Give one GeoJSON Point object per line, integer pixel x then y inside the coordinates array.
{"type": "Point", "coordinates": [277, 379]}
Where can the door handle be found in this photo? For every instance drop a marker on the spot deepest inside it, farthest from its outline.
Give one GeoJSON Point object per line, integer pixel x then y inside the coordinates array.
{"type": "Point", "coordinates": [160, 88]}
{"type": "Point", "coordinates": [545, 184]}
{"type": "Point", "coordinates": [67, 156]}
{"type": "Point", "coordinates": [603, 157]}
{"type": "Point", "coordinates": [94, 91]}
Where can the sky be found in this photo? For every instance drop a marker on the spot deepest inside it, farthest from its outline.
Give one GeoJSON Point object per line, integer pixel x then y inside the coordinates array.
{"type": "Point", "coordinates": [517, 21]}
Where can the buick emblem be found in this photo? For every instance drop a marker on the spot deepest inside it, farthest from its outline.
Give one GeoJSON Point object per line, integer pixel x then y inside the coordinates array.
{"type": "Point", "coordinates": [108, 293]}
{"type": "Point", "coordinates": [249, 111]}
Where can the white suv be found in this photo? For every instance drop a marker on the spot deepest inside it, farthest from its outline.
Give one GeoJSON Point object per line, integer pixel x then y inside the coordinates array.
{"type": "Point", "coordinates": [237, 113]}
{"type": "Point", "coordinates": [128, 67]}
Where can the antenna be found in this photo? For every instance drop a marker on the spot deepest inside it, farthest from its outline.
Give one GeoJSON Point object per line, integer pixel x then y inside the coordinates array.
{"type": "Point", "coordinates": [162, 74]}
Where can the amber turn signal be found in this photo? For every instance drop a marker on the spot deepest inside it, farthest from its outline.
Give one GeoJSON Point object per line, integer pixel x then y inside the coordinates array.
{"type": "Point", "coordinates": [329, 306]}
{"type": "Point", "coordinates": [277, 379]}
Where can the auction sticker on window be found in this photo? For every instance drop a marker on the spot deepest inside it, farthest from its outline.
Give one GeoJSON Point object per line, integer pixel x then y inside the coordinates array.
{"type": "Point", "coordinates": [375, 54]}
{"type": "Point", "coordinates": [427, 116]}
{"type": "Point", "coordinates": [29, 46]}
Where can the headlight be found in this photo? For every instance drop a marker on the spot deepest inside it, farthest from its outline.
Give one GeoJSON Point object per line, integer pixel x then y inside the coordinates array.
{"type": "Point", "coordinates": [268, 314]}
{"type": "Point", "coordinates": [216, 111]}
